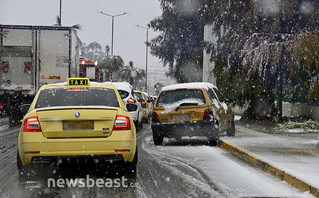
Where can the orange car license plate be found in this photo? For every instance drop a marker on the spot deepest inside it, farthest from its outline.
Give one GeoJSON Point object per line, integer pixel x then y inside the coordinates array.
{"type": "Point", "coordinates": [76, 125]}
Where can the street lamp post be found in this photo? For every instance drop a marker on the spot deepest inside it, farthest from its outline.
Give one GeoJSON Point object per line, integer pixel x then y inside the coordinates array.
{"type": "Point", "coordinates": [60, 21]}
{"type": "Point", "coordinates": [146, 57]}
{"type": "Point", "coordinates": [112, 25]}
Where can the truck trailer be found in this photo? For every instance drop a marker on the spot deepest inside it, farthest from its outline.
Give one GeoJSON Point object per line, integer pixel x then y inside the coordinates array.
{"type": "Point", "coordinates": [31, 56]}
{"type": "Point", "coordinates": [89, 69]}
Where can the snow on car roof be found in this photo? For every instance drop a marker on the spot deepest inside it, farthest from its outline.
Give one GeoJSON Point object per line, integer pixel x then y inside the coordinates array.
{"type": "Point", "coordinates": [123, 86]}
{"type": "Point", "coordinates": [197, 85]}
{"type": "Point", "coordinates": [146, 94]}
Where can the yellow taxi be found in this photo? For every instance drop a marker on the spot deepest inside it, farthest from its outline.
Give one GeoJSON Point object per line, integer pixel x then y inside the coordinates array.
{"type": "Point", "coordinates": [146, 103]}
{"type": "Point", "coordinates": [191, 109]}
{"type": "Point", "coordinates": [77, 119]}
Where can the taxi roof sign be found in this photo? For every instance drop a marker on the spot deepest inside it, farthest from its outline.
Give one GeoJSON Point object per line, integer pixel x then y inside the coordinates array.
{"type": "Point", "coordinates": [78, 81]}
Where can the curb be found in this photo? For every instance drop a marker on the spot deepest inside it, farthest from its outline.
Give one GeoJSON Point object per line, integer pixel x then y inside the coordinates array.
{"type": "Point", "coordinates": [267, 167]}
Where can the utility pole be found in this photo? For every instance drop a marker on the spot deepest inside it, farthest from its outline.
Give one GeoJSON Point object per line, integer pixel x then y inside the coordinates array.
{"type": "Point", "coordinates": [146, 55]}
{"type": "Point", "coordinates": [113, 16]}
{"type": "Point", "coordinates": [60, 21]}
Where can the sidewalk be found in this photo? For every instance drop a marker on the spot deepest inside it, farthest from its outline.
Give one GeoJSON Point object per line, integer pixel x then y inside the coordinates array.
{"type": "Point", "coordinates": [293, 158]}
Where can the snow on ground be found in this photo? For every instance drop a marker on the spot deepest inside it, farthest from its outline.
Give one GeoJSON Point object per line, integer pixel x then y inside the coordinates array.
{"type": "Point", "coordinates": [298, 154]}
{"type": "Point", "coordinates": [234, 177]}
{"type": "Point", "coordinates": [300, 131]}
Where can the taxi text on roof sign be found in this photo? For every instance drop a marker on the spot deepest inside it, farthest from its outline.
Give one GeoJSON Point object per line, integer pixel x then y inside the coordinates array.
{"type": "Point", "coordinates": [78, 81]}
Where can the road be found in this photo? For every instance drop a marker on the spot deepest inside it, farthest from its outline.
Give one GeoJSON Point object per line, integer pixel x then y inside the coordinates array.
{"type": "Point", "coordinates": [190, 168]}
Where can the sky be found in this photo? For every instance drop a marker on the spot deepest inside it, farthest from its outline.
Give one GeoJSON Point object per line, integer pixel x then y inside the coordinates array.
{"type": "Point", "coordinates": [129, 40]}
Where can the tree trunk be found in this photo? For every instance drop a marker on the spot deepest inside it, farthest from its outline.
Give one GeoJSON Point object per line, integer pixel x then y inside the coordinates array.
{"type": "Point", "coordinates": [279, 94]}
{"type": "Point", "coordinates": [279, 83]}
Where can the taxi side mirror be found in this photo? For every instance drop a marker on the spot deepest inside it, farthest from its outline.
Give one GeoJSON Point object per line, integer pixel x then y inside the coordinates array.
{"type": "Point", "coordinates": [131, 107]}
{"type": "Point", "coordinates": [24, 108]}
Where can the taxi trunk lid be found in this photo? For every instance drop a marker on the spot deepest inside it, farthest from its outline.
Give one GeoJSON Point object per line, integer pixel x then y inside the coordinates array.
{"type": "Point", "coordinates": [183, 113]}
{"type": "Point", "coordinates": [77, 122]}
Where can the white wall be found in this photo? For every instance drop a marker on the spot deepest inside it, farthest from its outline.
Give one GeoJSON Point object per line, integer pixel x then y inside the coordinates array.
{"type": "Point", "coordinates": [298, 109]}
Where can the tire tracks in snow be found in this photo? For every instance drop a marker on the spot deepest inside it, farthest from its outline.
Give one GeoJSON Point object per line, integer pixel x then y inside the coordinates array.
{"type": "Point", "coordinates": [174, 164]}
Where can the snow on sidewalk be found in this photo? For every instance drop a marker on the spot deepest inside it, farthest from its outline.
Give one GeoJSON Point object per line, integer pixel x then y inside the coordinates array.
{"type": "Point", "coordinates": [297, 155]}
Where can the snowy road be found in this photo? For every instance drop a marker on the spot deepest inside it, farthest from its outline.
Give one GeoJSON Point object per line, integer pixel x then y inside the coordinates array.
{"type": "Point", "coordinates": [190, 168]}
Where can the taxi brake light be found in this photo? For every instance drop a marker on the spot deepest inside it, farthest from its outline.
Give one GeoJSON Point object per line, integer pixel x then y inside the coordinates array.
{"type": "Point", "coordinates": [143, 104]}
{"type": "Point", "coordinates": [31, 125]}
{"type": "Point", "coordinates": [131, 100]}
{"type": "Point", "coordinates": [122, 123]}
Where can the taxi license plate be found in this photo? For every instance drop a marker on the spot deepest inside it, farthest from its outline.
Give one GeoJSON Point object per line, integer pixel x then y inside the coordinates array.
{"type": "Point", "coordinates": [76, 125]}
{"type": "Point", "coordinates": [180, 117]}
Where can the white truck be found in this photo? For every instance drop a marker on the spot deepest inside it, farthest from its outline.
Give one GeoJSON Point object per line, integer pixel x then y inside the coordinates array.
{"type": "Point", "coordinates": [31, 56]}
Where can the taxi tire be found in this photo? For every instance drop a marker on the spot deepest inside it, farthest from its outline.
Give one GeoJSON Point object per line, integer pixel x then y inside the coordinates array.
{"type": "Point", "coordinates": [131, 166]}
{"type": "Point", "coordinates": [158, 139]}
{"type": "Point", "coordinates": [178, 138]}
{"type": "Point", "coordinates": [212, 142]}
{"type": "Point", "coordinates": [24, 171]}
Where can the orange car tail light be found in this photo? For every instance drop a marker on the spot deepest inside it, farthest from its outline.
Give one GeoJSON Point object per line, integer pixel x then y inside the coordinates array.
{"type": "Point", "coordinates": [208, 114]}
{"type": "Point", "coordinates": [155, 117]}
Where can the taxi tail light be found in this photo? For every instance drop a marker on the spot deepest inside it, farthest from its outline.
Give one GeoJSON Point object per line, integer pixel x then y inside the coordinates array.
{"type": "Point", "coordinates": [131, 100]}
{"type": "Point", "coordinates": [32, 125]}
{"type": "Point", "coordinates": [155, 117]}
{"type": "Point", "coordinates": [122, 123]}
{"type": "Point", "coordinates": [143, 104]}
{"type": "Point", "coordinates": [208, 114]}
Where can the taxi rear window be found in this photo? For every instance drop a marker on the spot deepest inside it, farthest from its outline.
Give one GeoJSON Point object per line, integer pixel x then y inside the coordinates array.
{"type": "Point", "coordinates": [139, 97]}
{"type": "Point", "coordinates": [77, 96]}
{"type": "Point", "coordinates": [123, 94]}
{"type": "Point", "coordinates": [169, 97]}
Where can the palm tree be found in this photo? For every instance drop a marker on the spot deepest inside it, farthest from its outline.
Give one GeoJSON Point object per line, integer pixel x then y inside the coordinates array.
{"type": "Point", "coordinates": [132, 75]}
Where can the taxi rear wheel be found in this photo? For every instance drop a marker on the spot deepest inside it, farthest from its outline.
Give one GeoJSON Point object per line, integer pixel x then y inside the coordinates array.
{"type": "Point", "coordinates": [131, 167]}
{"type": "Point", "coordinates": [178, 138]}
{"type": "Point", "coordinates": [140, 124]}
{"type": "Point", "coordinates": [213, 138]}
{"type": "Point", "coordinates": [212, 141]}
{"type": "Point", "coordinates": [158, 139]}
{"type": "Point", "coordinates": [23, 170]}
